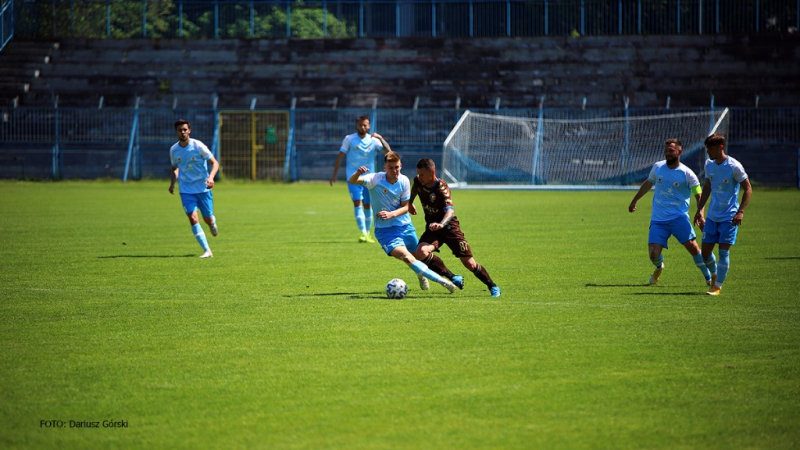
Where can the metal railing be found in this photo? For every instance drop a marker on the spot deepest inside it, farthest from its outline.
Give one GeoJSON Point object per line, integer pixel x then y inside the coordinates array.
{"type": "Point", "coordinates": [53, 19]}
{"type": "Point", "coordinates": [301, 144]}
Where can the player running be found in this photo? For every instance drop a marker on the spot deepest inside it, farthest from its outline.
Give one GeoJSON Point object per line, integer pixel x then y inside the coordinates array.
{"type": "Point", "coordinates": [360, 148]}
{"type": "Point", "coordinates": [442, 228]}
{"type": "Point", "coordinates": [675, 184]}
{"type": "Point", "coordinates": [189, 158]}
{"type": "Point", "coordinates": [724, 177]}
{"type": "Point", "coordinates": [393, 228]}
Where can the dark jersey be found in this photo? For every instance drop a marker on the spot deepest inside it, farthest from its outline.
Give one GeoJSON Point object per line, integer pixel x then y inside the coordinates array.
{"type": "Point", "coordinates": [434, 200]}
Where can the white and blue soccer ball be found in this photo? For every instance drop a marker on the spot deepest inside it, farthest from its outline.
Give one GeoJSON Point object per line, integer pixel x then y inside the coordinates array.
{"type": "Point", "coordinates": [396, 289]}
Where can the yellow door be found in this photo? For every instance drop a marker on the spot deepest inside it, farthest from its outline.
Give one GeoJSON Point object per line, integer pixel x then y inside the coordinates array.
{"type": "Point", "coordinates": [253, 144]}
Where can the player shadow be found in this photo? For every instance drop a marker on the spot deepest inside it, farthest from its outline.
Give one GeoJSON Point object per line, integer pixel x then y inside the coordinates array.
{"type": "Point", "coordinates": [612, 285]}
{"type": "Point", "coordinates": [145, 256]}
{"type": "Point", "coordinates": [667, 294]}
{"type": "Point", "coordinates": [779, 258]}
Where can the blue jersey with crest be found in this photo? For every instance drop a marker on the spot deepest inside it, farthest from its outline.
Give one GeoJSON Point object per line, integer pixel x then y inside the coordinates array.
{"type": "Point", "coordinates": [192, 166]}
{"type": "Point", "coordinates": [673, 190]}
{"type": "Point", "coordinates": [725, 179]}
{"type": "Point", "coordinates": [360, 152]}
{"type": "Point", "coordinates": [387, 197]}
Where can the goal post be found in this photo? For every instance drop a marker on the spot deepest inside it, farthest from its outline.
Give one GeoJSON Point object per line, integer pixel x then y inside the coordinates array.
{"type": "Point", "coordinates": [486, 151]}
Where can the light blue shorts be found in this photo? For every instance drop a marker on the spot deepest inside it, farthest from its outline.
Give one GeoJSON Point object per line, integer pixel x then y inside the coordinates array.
{"type": "Point", "coordinates": [719, 233]}
{"type": "Point", "coordinates": [680, 227]}
{"type": "Point", "coordinates": [392, 237]}
{"type": "Point", "coordinates": [203, 201]}
{"type": "Point", "coordinates": [359, 192]}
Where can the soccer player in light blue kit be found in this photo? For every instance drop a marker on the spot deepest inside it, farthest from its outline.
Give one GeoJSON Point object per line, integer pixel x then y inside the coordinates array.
{"type": "Point", "coordinates": [360, 148]}
{"type": "Point", "coordinates": [394, 230]}
{"type": "Point", "coordinates": [724, 177]}
{"type": "Point", "coordinates": [189, 158]}
{"type": "Point", "coordinates": [674, 186]}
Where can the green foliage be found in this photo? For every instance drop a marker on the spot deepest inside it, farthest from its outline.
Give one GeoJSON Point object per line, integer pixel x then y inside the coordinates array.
{"type": "Point", "coordinates": [285, 339]}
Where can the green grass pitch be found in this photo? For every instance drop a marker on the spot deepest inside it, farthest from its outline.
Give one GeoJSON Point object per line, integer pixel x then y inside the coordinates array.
{"type": "Point", "coordinates": [285, 338]}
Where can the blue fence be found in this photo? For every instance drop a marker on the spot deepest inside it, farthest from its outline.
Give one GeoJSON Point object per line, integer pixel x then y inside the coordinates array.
{"type": "Point", "coordinates": [67, 143]}
{"type": "Point", "coordinates": [396, 18]}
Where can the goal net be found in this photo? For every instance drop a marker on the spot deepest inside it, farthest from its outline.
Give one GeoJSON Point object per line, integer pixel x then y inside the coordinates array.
{"type": "Point", "coordinates": [493, 151]}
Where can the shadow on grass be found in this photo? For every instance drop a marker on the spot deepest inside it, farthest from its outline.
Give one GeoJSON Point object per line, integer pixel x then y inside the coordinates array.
{"type": "Point", "coordinates": [614, 285]}
{"type": "Point", "coordinates": [660, 291]}
{"type": "Point", "coordinates": [780, 258]}
{"type": "Point", "coordinates": [145, 256]}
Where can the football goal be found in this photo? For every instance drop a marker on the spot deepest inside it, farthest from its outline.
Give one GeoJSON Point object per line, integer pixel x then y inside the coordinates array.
{"type": "Point", "coordinates": [487, 151]}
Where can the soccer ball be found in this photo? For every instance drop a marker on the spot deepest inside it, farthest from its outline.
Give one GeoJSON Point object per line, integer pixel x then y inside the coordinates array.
{"type": "Point", "coordinates": [396, 289]}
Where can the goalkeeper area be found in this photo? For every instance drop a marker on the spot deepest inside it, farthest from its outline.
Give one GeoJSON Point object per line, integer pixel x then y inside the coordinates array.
{"type": "Point", "coordinates": [485, 151]}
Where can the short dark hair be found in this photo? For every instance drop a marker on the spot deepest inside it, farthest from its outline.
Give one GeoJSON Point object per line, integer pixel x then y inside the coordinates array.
{"type": "Point", "coordinates": [181, 122]}
{"type": "Point", "coordinates": [361, 119]}
{"type": "Point", "coordinates": [714, 139]}
{"type": "Point", "coordinates": [426, 163]}
{"type": "Point", "coordinates": [673, 141]}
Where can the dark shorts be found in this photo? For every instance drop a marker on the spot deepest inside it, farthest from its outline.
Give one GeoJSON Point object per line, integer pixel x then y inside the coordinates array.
{"type": "Point", "coordinates": [453, 237]}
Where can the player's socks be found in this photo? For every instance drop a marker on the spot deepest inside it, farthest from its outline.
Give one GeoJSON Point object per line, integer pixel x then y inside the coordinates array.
{"type": "Point", "coordinates": [658, 261]}
{"type": "Point", "coordinates": [213, 227]}
{"type": "Point", "coordinates": [368, 219]}
{"type": "Point", "coordinates": [698, 261]}
{"type": "Point", "coordinates": [711, 263]}
{"type": "Point", "coordinates": [723, 266]}
{"type": "Point", "coordinates": [420, 268]}
{"type": "Point", "coordinates": [437, 265]}
{"type": "Point", "coordinates": [483, 275]}
{"type": "Point", "coordinates": [200, 236]}
{"type": "Point", "coordinates": [360, 219]}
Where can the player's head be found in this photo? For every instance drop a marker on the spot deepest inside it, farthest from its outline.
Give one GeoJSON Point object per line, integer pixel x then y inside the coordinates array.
{"type": "Point", "coordinates": [426, 171]}
{"type": "Point", "coordinates": [362, 125]}
{"type": "Point", "coordinates": [672, 151]}
{"type": "Point", "coordinates": [392, 164]}
{"type": "Point", "coordinates": [715, 145]}
{"type": "Point", "coordinates": [183, 129]}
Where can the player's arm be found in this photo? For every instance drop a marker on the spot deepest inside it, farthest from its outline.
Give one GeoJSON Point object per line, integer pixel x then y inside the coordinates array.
{"type": "Point", "coordinates": [644, 189]}
{"type": "Point", "coordinates": [213, 173]}
{"type": "Point", "coordinates": [386, 148]}
{"type": "Point", "coordinates": [748, 191]}
{"type": "Point", "coordinates": [449, 213]}
{"type": "Point", "coordinates": [411, 208]}
{"type": "Point", "coordinates": [336, 167]}
{"type": "Point", "coordinates": [699, 218]}
{"type": "Point", "coordinates": [355, 178]}
{"type": "Point", "coordinates": [386, 215]}
{"type": "Point", "coordinates": [173, 178]}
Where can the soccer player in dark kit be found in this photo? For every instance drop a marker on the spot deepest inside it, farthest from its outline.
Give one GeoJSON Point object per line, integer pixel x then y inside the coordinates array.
{"type": "Point", "coordinates": [442, 227]}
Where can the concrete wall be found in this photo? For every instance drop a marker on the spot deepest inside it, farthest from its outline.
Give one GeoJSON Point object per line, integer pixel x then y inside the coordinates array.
{"type": "Point", "coordinates": [395, 72]}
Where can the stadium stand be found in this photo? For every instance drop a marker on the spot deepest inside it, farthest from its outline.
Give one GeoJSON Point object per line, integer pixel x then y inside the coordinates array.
{"type": "Point", "coordinates": [651, 71]}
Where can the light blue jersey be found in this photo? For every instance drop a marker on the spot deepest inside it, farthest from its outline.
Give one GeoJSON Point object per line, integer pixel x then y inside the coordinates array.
{"type": "Point", "coordinates": [387, 197]}
{"type": "Point", "coordinates": [192, 166]}
{"type": "Point", "coordinates": [673, 190]}
{"type": "Point", "coordinates": [725, 179]}
{"type": "Point", "coordinates": [360, 152]}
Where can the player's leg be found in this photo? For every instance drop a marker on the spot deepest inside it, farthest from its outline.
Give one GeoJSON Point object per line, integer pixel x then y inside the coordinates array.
{"type": "Point", "coordinates": [482, 274]}
{"type": "Point", "coordinates": [710, 238]}
{"type": "Point", "coordinates": [394, 240]}
{"type": "Point", "coordinates": [727, 237]}
{"type": "Point", "coordinates": [205, 203]}
{"type": "Point", "coordinates": [684, 232]}
{"type": "Point", "coordinates": [356, 195]}
{"type": "Point", "coordinates": [190, 208]}
{"type": "Point", "coordinates": [657, 242]}
{"type": "Point", "coordinates": [367, 213]}
{"type": "Point", "coordinates": [428, 244]}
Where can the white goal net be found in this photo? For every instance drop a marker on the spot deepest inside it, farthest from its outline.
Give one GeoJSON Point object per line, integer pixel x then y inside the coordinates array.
{"type": "Point", "coordinates": [486, 151]}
